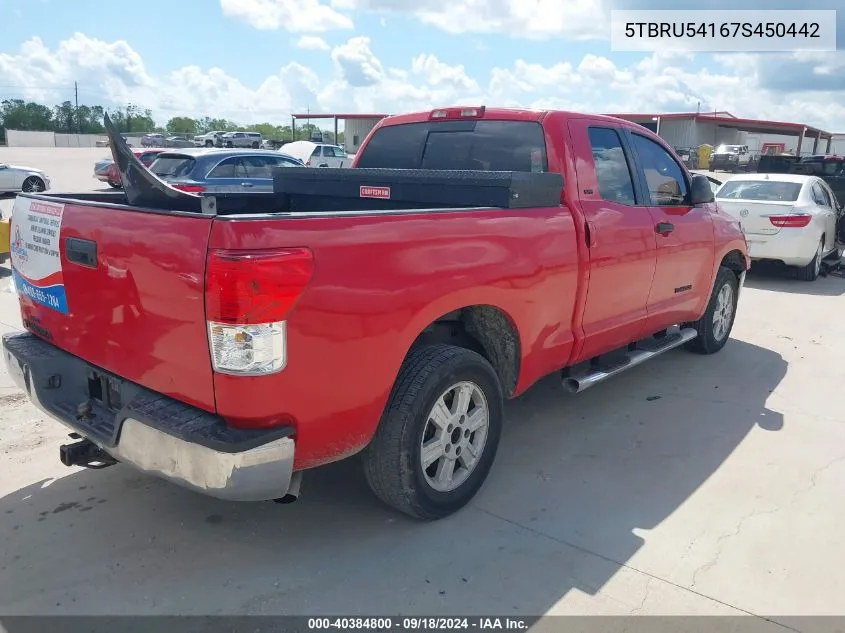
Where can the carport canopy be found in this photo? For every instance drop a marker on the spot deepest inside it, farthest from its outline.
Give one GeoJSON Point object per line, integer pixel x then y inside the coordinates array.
{"type": "Point", "coordinates": [752, 126]}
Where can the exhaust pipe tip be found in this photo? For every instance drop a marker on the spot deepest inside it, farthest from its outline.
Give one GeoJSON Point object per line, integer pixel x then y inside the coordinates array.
{"type": "Point", "coordinates": [572, 385]}
{"type": "Point", "coordinates": [293, 489]}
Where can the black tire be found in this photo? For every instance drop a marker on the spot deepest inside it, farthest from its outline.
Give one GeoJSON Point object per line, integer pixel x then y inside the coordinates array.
{"type": "Point", "coordinates": [209, 144]}
{"type": "Point", "coordinates": [33, 184]}
{"type": "Point", "coordinates": [229, 144]}
{"type": "Point", "coordinates": [707, 342]}
{"type": "Point", "coordinates": [114, 185]}
{"type": "Point", "coordinates": [254, 145]}
{"type": "Point", "coordinates": [810, 272]}
{"type": "Point", "coordinates": [392, 461]}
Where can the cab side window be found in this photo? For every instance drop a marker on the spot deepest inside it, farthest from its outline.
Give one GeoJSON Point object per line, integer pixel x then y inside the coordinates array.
{"type": "Point", "coordinates": [612, 172]}
{"type": "Point", "coordinates": [667, 186]}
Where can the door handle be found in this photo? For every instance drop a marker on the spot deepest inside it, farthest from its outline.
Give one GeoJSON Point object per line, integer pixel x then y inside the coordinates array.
{"type": "Point", "coordinates": [664, 228]}
{"type": "Point", "coordinates": [246, 184]}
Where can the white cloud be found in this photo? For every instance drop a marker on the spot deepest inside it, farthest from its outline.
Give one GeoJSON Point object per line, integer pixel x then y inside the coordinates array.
{"type": "Point", "coordinates": [439, 74]}
{"type": "Point", "coordinates": [112, 73]}
{"type": "Point", "coordinates": [312, 43]}
{"type": "Point", "coordinates": [357, 64]}
{"type": "Point", "coordinates": [297, 16]}
{"type": "Point", "coordinates": [537, 19]}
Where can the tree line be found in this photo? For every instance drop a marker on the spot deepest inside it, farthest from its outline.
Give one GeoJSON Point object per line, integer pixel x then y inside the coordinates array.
{"type": "Point", "coordinates": [66, 118]}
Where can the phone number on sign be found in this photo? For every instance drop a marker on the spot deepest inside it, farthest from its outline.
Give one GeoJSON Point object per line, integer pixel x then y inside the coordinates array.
{"type": "Point", "coordinates": [809, 30]}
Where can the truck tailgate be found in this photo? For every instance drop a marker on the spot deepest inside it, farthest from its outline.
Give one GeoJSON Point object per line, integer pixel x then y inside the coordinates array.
{"type": "Point", "coordinates": [120, 288]}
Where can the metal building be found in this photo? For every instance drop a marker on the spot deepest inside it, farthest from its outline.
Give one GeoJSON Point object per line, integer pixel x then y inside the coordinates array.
{"type": "Point", "coordinates": [355, 126]}
{"type": "Point", "coordinates": [690, 129]}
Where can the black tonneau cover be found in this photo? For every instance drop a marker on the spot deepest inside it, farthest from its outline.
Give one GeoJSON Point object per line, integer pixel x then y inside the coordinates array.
{"type": "Point", "coordinates": [304, 189]}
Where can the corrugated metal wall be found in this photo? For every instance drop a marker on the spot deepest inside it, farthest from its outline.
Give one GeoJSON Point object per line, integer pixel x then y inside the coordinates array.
{"type": "Point", "coordinates": [21, 138]}
{"type": "Point", "coordinates": [355, 131]}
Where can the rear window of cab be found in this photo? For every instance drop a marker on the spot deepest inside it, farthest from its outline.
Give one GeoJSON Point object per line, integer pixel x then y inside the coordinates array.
{"type": "Point", "coordinates": [458, 145]}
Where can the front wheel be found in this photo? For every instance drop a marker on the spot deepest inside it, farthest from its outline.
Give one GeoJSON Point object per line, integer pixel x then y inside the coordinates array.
{"type": "Point", "coordinates": [714, 328]}
{"type": "Point", "coordinates": [439, 433]}
{"type": "Point", "coordinates": [33, 184]}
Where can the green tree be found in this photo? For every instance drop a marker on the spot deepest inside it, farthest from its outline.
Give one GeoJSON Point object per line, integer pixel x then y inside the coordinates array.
{"type": "Point", "coordinates": [208, 124]}
{"type": "Point", "coordinates": [17, 114]}
{"type": "Point", "coordinates": [181, 125]}
{"type": "Point", "coordinates": [133, 118]}
{"type": "Point", "coordinates": [64, 118]}
{"type": "Point", "coordinates": [91, 119]}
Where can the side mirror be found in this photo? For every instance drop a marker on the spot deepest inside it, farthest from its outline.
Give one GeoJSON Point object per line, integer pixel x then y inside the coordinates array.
{"type": "Point", "coordinates": [700, 191]}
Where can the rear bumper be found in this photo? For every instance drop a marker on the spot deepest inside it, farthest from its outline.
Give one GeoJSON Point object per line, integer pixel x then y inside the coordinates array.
{"type": "Point", "coordinates": [793, 247]}
{"type": "Point", "coordinates": [154, 433]}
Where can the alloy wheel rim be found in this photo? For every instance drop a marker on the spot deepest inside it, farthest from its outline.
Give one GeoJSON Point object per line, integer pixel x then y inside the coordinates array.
{"type": "Point", "coordinates": [454, 436]}
{"type": "Point", "coordinates": [723, 313]}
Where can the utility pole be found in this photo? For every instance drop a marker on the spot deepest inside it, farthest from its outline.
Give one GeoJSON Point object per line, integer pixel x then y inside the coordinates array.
{"type": "Point", "coordinates": [76, 98]}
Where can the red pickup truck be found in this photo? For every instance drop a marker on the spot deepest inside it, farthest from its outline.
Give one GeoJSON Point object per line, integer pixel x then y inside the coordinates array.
{"type": "Point", "coordinates": [229, 343]}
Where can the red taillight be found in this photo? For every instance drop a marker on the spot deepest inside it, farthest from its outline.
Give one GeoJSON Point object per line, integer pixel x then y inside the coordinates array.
{"type": "Point", "coordinates": [458, 113]}
{"type": "Point", "coordinates": [790, 221]}
{"type": "Point", "coordinates": [308, 164]}
{"type": "Point", "coordinates": [189, 188]}
{"type": "Point", "coordinates": [252, 287]}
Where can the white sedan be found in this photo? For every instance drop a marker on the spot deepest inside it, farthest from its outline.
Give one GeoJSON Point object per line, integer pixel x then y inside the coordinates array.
{"type": "Point", "coordinates": [789, 218]}
{"type": "Point", "coordinates": [14, 178]}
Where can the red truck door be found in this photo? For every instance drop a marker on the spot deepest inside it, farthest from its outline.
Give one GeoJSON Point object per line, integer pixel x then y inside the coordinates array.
{"type": "Point", "coordinates": [685, 252]}
{"type": "Point", "coordinates": [621, 238]}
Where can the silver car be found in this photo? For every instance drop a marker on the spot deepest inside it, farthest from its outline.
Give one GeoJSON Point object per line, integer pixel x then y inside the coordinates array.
{"type": "Point", "coordinates": [14, 178]}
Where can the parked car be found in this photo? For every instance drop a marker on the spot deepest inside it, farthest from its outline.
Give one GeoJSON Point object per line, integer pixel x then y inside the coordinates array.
{"type": "Point", "coordinates": [373, 310]}
{"type": "Point", "coordinates": [210, 139]}
{"type": "Point", "coordinates": [830, 168]}
{"type": "Point", "coordinates": [106, 171]}
{"type": "Point", "coordinates": [219, 170]}
{"type": "Point", "coordinates": [689, 156]}
{"type": "Point", "coordinates": [178, 141]}
{"type": "Point", "coordinates": [241, 139]}
{"type": "Point", "coordinates": [732, 158]}
{"type": "Point", "coordinates": [152, 140]}
{"type": "Point", "coordinates": [15, 178]}
{"type": "Point", "coordinates": [317, 154]}
{"type": "Point", "coordinates": [791, 218]}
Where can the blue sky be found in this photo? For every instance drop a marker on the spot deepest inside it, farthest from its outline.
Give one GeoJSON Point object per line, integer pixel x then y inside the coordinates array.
{"type": "Point", "coordinates": [243, 59]}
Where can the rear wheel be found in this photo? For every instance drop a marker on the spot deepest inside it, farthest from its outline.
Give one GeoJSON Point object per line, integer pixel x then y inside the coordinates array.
{"type": "Point", "coordinates": [33, 184]}
{"type": "Point", "coordinates": [811, 271]}
{"type": "Point", "coordinates": [209, 144]}
{"type": "Point", "coordinates": [228, 143]}
{"type": "Point", "coordinates": [714, 328]}
{"type": "Point", "coordinates": [114, 185]}
{"type": "Point", "coordinates": [439, 433]}
{"type": "Point", "coordinates": [255, 145]}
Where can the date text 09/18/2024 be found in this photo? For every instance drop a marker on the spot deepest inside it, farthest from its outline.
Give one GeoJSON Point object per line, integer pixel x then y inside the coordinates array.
{"type": "Point", "coordinates": [421, 623]}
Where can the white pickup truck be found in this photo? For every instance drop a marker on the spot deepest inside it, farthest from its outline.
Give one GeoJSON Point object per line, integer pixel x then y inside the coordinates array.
{"type": "Point", "coordinates": [209, 139]}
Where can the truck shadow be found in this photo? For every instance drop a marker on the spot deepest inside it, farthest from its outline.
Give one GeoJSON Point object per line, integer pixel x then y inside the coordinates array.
{"type": "Point", "coordinates": [575, 477]}
{"type": "Point", "coordinates": [775, 277]}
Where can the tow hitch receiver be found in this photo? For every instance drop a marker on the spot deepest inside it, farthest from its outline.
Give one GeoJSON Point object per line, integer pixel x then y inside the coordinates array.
{"type": "Point", "coordinates": [85, 453]}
